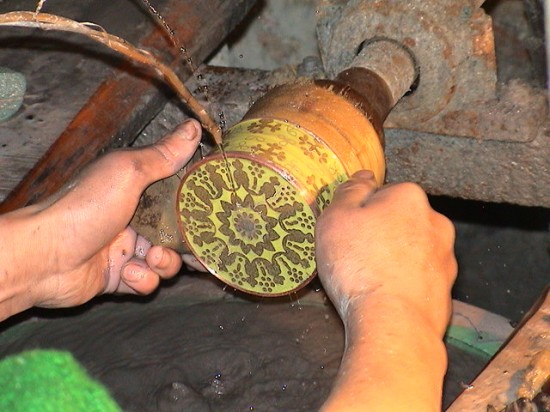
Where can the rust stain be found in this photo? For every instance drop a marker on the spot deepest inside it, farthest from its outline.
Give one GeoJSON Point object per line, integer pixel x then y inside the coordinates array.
{"type": "Point", "coordinates": [483, 42]}
{"type": "Point", "coordinates": [465, 122]}
{"type": "Point", "coordinates": [409, 42]}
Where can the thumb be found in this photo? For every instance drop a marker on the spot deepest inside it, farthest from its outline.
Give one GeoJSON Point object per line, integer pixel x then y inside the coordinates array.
{"type": "Point", "coordinates": [355, 191]}
{"type": "Point", "coordinates": [171, 153]}
{"type": "Point", "coordinates": [102, 199]}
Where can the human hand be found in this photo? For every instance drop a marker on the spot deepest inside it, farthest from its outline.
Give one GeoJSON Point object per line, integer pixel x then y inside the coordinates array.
{"type": "Point", "coordinates": [82, 245]}
{"type": "Point", "coordinates": [386, 261]}
{"type": "Point", "coordinates": [387, 242]}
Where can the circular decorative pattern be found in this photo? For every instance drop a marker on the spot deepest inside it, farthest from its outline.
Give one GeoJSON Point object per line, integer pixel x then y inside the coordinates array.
{"type": "Point", "coordinates": [249, 217]}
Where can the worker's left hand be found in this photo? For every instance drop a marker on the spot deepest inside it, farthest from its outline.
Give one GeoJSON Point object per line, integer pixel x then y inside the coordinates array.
{"type": "Point", "coordinates": [87, 246]}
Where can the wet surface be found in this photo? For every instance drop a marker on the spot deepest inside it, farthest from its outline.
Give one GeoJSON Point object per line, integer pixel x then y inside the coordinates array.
{"type": "Point", "coordinates": [176, 354]}
{"type": "Point", "coordinates": [195, 347]}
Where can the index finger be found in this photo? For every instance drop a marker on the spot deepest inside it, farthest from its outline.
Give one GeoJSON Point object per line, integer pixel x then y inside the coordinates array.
{"type": "Point", "coordinates": [356, 190]}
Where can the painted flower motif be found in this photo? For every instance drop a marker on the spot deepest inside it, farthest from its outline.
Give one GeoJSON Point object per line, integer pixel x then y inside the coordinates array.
{"type": "Point", "coordinates": [256, 171]}
{"type": "Point", "coordinates": [309, 251]}
{"type": "Point", "coordinates": [304, 140]}
{"type": "Point", "coordinates": [253, 236]}
{"type": "Point", "coordinates": [275, 151]}
{"type": "Point", "coordinates": [274, 147]}
{"type": "Point", "coordinates": [256, 148]}
{"type": "Point", "coordinates": [270, 151]}
{"type": "Point", "coordinates": [210, 257]}
{"type": "Point", "coordinates": [295, 275]}
{"type": "Point", "coordinates": [260, 125]}
{"type": "Point", "coordinates": [248, 226]}
{"type": "Point", "coordinates": [311, 181]}
{"type": "Point", "coordinates": [308, 147]}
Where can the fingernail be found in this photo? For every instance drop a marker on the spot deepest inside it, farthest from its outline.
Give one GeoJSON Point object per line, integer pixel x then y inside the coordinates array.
{"type": "Point", "coordinates": [189, 258]}
{"type": "Point", "coordinates": [188, 130]}
{"type": "Point", "coordinates": [162, 258]}
{"type": "Point", "coordinates": [133, 273]}
{"type": "Point", "coordinates": [365, 174]}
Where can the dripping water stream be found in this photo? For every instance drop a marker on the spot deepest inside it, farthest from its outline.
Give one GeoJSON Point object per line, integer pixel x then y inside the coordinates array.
{"type": "Point", "coordinates": [203, 87]}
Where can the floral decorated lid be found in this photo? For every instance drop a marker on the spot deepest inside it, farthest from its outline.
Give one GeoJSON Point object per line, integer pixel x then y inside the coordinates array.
{"type": "Point", "coordinates": [248, 214]}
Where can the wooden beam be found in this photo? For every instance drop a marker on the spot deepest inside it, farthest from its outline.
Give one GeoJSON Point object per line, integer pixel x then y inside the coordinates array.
{"type": "Point", "coordinates": [498, 383]}
{"type": "Point", "coordinates": [126, 101]}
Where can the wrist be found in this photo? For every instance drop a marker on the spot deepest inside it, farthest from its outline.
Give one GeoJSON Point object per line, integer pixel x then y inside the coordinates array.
{"type": "Point", "coordinates": [394, 358]}
{"type": "Point", "coordinates": [19, 263]}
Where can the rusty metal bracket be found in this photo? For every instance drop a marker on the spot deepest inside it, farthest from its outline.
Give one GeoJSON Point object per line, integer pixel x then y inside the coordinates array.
{"type": "Point", "coordinates": [452, 41]}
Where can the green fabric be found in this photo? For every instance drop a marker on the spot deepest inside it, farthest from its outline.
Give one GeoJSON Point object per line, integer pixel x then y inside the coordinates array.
{"type": "Point", "coordinates": [50, 381]}
{"type": "Point", "coordinates": [473, 341]}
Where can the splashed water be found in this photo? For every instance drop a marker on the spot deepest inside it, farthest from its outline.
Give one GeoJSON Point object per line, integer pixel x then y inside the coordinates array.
{"type": "Point", "coordinates": [201, 80]}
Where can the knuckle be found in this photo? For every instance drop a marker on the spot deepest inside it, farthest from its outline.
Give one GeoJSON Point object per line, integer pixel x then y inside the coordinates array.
{"type": "Point", "coordinates": [169, 159]}
{"type": "Point", "coordinates": [326, 221]}
{"type": "Point", "coordinates": [445, 225]}
{"type": "Point", "coordinates": [414, 190]}
{"type": "Point", "coordinates": [125, 163]}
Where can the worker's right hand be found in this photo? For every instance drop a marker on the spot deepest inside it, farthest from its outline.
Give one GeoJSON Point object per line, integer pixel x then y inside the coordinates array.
{"type": "Point", "coordinates": [387, 242]}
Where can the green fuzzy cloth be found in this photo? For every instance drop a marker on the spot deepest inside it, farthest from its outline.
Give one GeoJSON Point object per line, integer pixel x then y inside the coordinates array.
{"type": "Point", "coordinates": [50, 381]}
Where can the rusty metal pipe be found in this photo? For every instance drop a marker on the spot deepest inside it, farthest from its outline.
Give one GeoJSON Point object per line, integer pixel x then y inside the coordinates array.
{"type": "Point", "coordinates": [392, 61]}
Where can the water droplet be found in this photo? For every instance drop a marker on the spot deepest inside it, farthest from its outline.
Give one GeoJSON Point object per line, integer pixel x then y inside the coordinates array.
{"type": "Point", "coordinates": [240, 56]}
{"type": "Point", "coordinates": [283, 388]}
